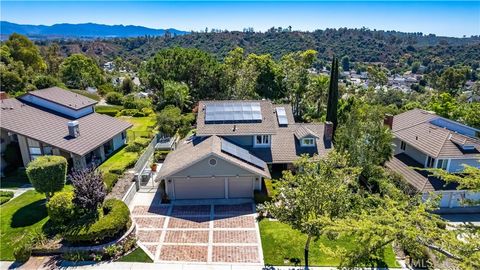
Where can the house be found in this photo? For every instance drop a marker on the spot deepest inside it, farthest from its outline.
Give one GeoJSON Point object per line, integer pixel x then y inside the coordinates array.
{"type": "Point", "coordinates": [236, 145]}
{"type": "Point", "coordinates": [426, 140]}
{"type": "Point", "coordinates": [55, 121]}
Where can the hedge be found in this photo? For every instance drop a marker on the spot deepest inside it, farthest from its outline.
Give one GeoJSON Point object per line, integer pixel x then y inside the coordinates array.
{"type": "Point", "coordinates": [132, 112]}
{"type": "Point", "coordinates": [5, 193]}
{"type": "Point", "coordinates": [114, 98]}
{"type": "Point", "coordinates": [108, 110]}
{"type": "Point", "coordinates": [47, 174]}
{"type": "Point", "coordinates": [60, 208]}
{"type": "Point", "coordinates": [138, 145]}
{"type": "Point", "coordinates": [115, 220]}
{"type": "Point", "coordinates": [110, 179]}
{"type": "Point", "coordinates": [4, 200]}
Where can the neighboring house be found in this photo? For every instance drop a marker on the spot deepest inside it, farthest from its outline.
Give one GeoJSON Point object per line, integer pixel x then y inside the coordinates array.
{"type": "Point", "coordinates": [426, 140]}
{"type": "Point", "coordinates": [54, 121]}
{"type": "Point", "coordinates": [235, 143]}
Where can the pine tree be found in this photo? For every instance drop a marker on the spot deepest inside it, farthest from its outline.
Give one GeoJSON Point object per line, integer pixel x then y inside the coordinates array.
{"type": "Point", "coordinates": [333, 94]}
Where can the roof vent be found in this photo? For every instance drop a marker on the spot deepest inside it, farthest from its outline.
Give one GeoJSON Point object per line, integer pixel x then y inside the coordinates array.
{"type": "Point", "coordinates": [73, 129]}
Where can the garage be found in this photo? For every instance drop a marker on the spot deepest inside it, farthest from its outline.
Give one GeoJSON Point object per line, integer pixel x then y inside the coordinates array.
{"type": "Point", "coordinates": [240, 187]}
{"type": "Point", "coordinates": [199, 188]}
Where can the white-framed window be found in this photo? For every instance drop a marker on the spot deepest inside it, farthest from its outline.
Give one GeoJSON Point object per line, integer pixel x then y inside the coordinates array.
{"type": "Point", "coordinates": [36, 149]}
{"type": "Point", "coordinates": [403, 145]}
{"type": "Point", "coordinates": [430, 162]}
{"type": "Point", "coordinates": [442, 164]}
{"type": "Point", "coordinates": [261, 140]}
{"type": "Point", "coordinates": [308, 142]}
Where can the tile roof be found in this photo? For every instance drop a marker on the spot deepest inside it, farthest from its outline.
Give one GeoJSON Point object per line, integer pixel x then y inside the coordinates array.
{"type": "Point", "coordinates": [419, 179]}
{"type": "Point", "coordinates": [415, 128]}
{"type": "Point", "coordinates": [303, 131]}
{"type": "Point", "coordinates": [63, 97]}
{"type": "Point", "coordinates": [50, 128]}
{"type": "Point", "coordinates": [190, 152]}
{"type": "Point", "coordinates": [266, 126]}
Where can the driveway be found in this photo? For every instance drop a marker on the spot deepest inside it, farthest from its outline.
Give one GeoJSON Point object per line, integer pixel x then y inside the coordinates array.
{"type": "Point", "coordinates": [205, 233]}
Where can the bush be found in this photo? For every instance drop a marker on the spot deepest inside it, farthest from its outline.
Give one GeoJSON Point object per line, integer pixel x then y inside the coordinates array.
{"type": "Point", "coordinates": [108, 110]}
{"type": "Point", "coordinates": [4, 200]}
{"type": "Point", "coordinates": [114, 98]}
{"type": "Point", "coordinates": [147, 111]}
{"type": "Point", "coordinates": [131, 102]}
{"type": "Point", "coordinates": [4, 193]}
{"type": "Point", "coordinates": [23, 251]}
{"type": "Point", "coordinates": [131, 112]}
{"type": "Point", "coordinates": [47, 174]}
{"type": "Point", "coordinates": [60, 208]}
{"type": "Point", "coordinates": [116, 220]}
{"type": "Point", "coordinates": [160, 155]}
{"type": "Point", "coordinates": [138, 145]}
{"type": "Point", "coordinates": [110, 179]}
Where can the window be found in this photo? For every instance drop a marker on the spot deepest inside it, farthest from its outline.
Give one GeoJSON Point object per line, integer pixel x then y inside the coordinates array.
{"type": "Point", "coordinates": [108, 147]}
{"type": "Point", "coordinates": [262, 140]}
{"type": "Point", "coordinates": [430, 162]}
{"type": "Point", "coordinates": [308, 142]}
{"type": "Point", "coordinates": [442, 164]}
{"type": "Point", "coordinates": [34, 148]}
{"type": "Point", "coordinates": [403, 145]}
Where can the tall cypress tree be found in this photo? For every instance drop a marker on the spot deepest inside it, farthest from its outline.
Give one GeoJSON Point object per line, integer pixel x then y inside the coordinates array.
{"type": "Point", "coordinates": [333, 94]}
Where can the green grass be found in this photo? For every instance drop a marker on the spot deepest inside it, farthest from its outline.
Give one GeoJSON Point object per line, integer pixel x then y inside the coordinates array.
{"type": "Point", "coordinates": [108, 110]}
{"type": "Point", "coordinates": [14, 180]}
{"type": "Point", "coordinates": [142, 126]}
{"type": "Point", "coordinates": [138, 255]}
{"type": "Point", "coordinates": [280, 242]}
{"type": "Point", "coordinates": [24, 214]}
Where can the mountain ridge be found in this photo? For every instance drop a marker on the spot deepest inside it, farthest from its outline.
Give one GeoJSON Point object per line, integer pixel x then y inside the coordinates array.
{"type": "Point", "coordinates": [89, 30]}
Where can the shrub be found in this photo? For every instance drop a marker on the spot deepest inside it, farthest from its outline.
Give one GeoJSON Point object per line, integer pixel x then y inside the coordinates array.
{"type": "Point", "coordinates": [61, 208]}
{"type": "Point", "coordinates": [116, 220]}
{"type": "Point", "coordinates": [89, 189]}
{"type": "Point", "coordinates": [131, 102]}
{"type": "Point", "coordinates": [4, 193]}
{"type": "Point", "coordinates": [4, 200]}
{"type": "Point", "coordinates": [133, 147]}
{"type": "Point", "coordinates": [131, 112]}
{"type": "Point", "coordinates": [114, 98]}
{"type": "Point", "coordinates": [110, 179]}
{"type": "Point", "coordinates": [147, 111]}
{"type": "Point", "coordinates": [160, 155]}
{"type": "Point", "coordinates": [47, 174]}
{"type": "Point", "coordinates": [108, 110]}
{"type": "Point", "coordinates": [76, 256]}
{"type": "Point", "coordinates": [23, 251]}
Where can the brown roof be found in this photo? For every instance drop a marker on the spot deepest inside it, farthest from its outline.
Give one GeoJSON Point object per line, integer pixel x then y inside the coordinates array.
{"type": "Point", "coordinates": [415, 128]}
{"type": "Point", "coordinates": [63, 97]}
{"type": "Point", "coordinates": [302, 131]}
{"type": "Point", "coordinates": [266, 126]}
{"type": "Point", "coordinates": [190, 152]}
{"type": "Point", "coordinates": [95, 129]}
{"type": "Point", "coordinates": [417, 178]}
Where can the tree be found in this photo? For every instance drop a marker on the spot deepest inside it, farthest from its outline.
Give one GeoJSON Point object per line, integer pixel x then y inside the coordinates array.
{"type": "Point", "coordinates": [320, 193]}
{"type": "Point", "coordinates": [177, 94]}
{"type": "Point", "coordinates": [53, 58]}
{"type": "Point", "coordinates": [453, 79]}
{"type": "Point", "coordinates": [443, 104]}
{"type": "Point", "coordinates": [23, 50]}
{"type": "Point", "coordinates": [377, 76]}
{"type": "Point", "coordinates": [318, 92]}
{"type": "Point", "coordinates": [127, 86]}
{"type": "Point", "coordinates": [170, 120]}
{"type": "Point", "coordinates": [332, 103]}
{"type": "Point", "coordinates": [79, 71]}
{"type": "Point", "coordinates": [45, 81]}
{"type": "Point", "coordinates": [468, 179]}
{"type": "Point", "coordinates": [345, 63]}
{"type": "Point", "coordinates": [47, 174]}
{"type": "Point", "coordinates": [89, 189]}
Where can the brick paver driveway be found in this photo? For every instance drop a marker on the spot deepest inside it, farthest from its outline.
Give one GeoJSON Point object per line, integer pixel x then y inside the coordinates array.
{"type": "Point", "coordinates": [200, 233]}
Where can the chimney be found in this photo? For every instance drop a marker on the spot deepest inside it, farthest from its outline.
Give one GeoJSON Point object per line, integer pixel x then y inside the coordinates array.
{"type": "Point", "coordinates": [73, 129]}
{"type": "Point", "coordinates": [388, 120]}
{"type": "Point", "coordinates": [3, 95]}
{"type": "Point", "coordinates": [328, 131]}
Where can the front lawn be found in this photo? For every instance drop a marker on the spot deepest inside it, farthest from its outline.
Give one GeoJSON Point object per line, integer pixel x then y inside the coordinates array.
{"type": "Point", "coordinates": [142, 126]}
{"type": "Point", "coordinates": [283, 246]}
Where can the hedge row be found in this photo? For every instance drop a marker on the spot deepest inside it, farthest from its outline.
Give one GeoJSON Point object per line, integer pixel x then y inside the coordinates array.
{"type": "Point", "coordinates": [115, 220]}
{"type": "Point", "coordinates": [110, 179]}
{"type": "Point", "coordinates": [108, 110]}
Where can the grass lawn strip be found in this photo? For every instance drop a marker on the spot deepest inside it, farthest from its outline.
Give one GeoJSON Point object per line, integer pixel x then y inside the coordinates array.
{"type": "Point", "coordinates": [138, 255]}
{"type": "Point", "coordinates": [282, 245]}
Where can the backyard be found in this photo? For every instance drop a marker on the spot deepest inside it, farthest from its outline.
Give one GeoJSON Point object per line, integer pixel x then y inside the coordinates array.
{"type": "Point", "coordinates": [284, 246]}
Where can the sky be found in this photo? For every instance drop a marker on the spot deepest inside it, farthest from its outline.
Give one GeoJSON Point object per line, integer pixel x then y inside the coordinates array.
{"type": "Point", "coordinates": [445, 18]}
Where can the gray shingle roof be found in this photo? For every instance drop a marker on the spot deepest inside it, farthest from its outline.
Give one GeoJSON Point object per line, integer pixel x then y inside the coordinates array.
{"type": "Point", "coordinates": [414, 128]}
{"type": "Point", "coordinates": [191, 152]}
{"type": "Point", "coordinates": [63, 97]}
{"type": "Point", "coordinates": [95, 129]}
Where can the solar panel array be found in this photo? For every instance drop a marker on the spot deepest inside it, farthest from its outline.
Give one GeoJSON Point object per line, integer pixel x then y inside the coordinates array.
{"type": "Point", "coordinates": [233, 112]}
{"type": "Point", "coordinates": [242, 154]}
{"type": "Point", "coordinates": [281, 116]}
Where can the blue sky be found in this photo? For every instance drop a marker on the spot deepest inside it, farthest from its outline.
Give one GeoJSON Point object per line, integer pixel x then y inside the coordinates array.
{"type": "Point", "coordinates": [450, 18]}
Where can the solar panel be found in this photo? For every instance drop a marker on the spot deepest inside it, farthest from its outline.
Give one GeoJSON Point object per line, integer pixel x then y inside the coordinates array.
{"type": "Point", "coordinates": [242, 154]}
{"type": "Point", "coordinates": [281, 116]}
{"type": "Point", "coordinates": [233, 112]}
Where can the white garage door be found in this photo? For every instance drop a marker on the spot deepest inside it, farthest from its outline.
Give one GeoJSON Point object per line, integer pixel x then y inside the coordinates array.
{"type": "Point", "coordinates": [199, 188]}
{"type": "Point", "coordinates": [240, 187]}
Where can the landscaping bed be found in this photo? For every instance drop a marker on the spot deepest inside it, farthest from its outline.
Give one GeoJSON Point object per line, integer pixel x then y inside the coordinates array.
{"type": "Point", "coordinates": [284, 246]}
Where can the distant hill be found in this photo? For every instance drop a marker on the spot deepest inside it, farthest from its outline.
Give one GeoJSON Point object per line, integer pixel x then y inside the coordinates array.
{"type": "Point", "coordinates": [83, 30]}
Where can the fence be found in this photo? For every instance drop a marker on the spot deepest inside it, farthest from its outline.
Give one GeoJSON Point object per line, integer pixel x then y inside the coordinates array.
{"type": "Point", "coordinates": [128, 197]}
{"type": "Point", "coordinates": [142, 161]}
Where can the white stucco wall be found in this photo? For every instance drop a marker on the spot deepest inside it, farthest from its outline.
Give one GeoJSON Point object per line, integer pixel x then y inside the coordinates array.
{"type": "Point", "coordinates": [56, 107]}
{"type": "Point", "coordinates": [118, 141]}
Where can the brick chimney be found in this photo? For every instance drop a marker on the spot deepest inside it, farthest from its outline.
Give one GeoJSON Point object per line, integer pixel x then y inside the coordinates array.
{"type": "Point", "coordinates": [3, 95]}
{"type": "Point", "coordinates": [328, 131]}
{"type": "Point", "coordinates": [388, 120]}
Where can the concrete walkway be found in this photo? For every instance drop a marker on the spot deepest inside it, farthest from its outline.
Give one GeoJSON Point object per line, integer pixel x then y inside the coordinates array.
{"type": "Point", "coordinates": [19, 191]}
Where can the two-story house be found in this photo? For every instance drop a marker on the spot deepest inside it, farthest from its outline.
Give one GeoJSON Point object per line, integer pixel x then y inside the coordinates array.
{"type": "Point", "coordinates": [426, 140]}
{"type": "Point", "coordinates": [55, 121]}
{"type": "Point", "coordinates": [234, 145]}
